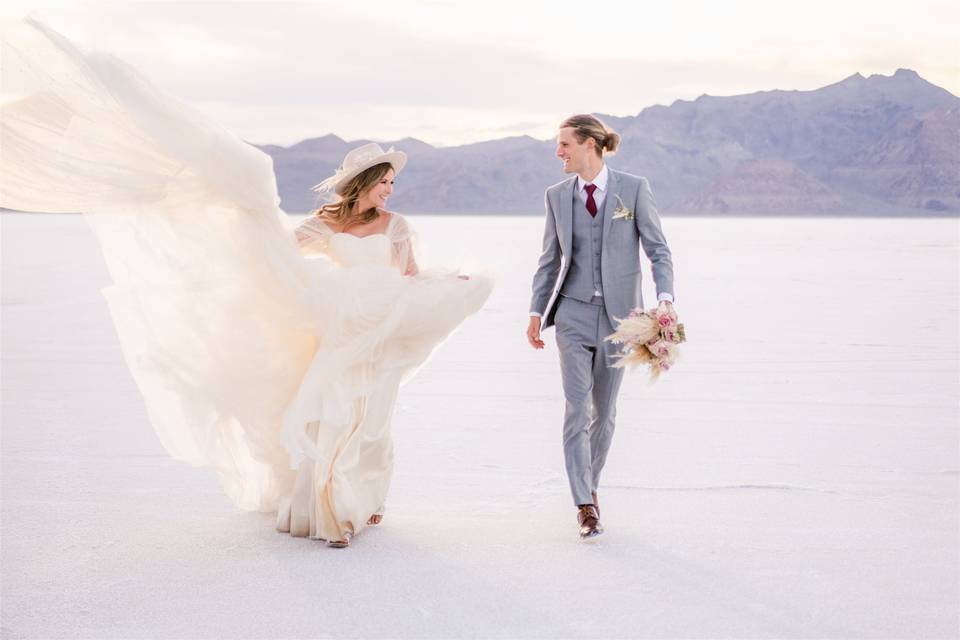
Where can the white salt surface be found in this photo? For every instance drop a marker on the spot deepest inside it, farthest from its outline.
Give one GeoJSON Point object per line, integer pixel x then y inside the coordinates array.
{"type": "Point", "coordinates": [795, 476]}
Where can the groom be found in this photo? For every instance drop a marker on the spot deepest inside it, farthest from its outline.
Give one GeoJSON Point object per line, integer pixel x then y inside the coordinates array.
{"type": "Point", "coordinates": [588, 275]}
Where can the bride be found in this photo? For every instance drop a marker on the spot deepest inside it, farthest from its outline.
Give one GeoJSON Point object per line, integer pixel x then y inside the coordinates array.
{"type": "Point", "coordinates": [272, 356]}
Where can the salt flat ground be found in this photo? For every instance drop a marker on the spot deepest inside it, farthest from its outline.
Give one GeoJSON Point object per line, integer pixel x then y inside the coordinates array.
{"type": "Point", "coordinates": [796, 476]}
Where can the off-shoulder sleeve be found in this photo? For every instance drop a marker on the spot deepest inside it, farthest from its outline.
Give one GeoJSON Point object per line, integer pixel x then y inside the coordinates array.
{"type": "Point", "coordinates": [403, 240]}
{"type": "Point", "coordinates": [313, 236]}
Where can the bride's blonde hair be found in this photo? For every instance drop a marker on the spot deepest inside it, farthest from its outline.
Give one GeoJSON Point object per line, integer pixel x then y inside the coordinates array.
{"type": "Point", "coordinates": [340, 211]}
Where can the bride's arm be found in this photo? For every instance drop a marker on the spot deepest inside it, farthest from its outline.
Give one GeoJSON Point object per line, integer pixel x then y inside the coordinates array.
{"type": "Point", "coordinates": [311, 237]}
{"type": "Point", "coordinates": [410, 267]}
{"type": "Point", "coordinates": [403, 239]}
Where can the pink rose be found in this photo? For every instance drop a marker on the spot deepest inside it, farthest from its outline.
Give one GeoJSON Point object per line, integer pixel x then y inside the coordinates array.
{"type": "Point", "coordinates": [660, 349]}
{"type": "Point", "coordinates": [667, 319]}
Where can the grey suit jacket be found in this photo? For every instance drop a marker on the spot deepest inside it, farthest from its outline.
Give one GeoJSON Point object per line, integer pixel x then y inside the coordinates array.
{"type": "Point", "coordinates": [620, 253]}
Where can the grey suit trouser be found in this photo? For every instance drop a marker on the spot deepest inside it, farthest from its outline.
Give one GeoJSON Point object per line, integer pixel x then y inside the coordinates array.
{"type": "Point", "coordinates": [590, 386]}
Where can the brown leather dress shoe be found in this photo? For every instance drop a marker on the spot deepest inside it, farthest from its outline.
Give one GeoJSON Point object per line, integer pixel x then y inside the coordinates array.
{"type": "Point", "coordinates": [589, 521]}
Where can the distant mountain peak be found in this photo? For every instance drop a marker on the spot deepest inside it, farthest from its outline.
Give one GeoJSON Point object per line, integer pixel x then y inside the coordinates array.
{"type": "Point", "coordinates": [901, 75]}
{"type": "Point", "coordinates": [319, 144]}
{"type": "Point", "coordinates": [330, 137]}
{"type": "Point", "coordinates": [412, 140]}
{"type": "Point", "coordinates": [906, 73]}
{"type": "Point", "coordinates": [407, 145]}
{"type": "Point", "coordinates": [877, 144]}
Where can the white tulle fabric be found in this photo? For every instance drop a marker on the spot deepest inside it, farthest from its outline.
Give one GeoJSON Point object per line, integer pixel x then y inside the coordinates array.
{"type": "Point", "coordinates": [277, 371]}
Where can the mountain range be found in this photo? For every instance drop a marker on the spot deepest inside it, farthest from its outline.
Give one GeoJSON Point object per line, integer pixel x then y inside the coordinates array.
{"type": "Point", "coordinates": [881, 145]}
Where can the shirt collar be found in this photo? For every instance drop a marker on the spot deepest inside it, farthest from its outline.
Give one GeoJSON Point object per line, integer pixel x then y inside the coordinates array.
{"type": "Point", "coordinates": [600, 181]}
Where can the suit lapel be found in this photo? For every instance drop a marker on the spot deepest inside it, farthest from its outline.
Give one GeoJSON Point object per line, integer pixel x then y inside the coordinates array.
{"type": "Point", "coordinates": [610, 202]}
{"type": "Point", "coordinates": [566, 216]}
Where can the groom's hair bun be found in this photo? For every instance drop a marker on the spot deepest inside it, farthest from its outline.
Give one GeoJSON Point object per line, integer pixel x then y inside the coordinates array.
{"type": "Point", "coordinates": [611, 142]}
{"type": "Point", "coordinates": [588, 126]}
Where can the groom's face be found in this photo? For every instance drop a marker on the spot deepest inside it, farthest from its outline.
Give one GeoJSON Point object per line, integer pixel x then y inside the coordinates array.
{"type": "Point", "coordinates": [573, 152]}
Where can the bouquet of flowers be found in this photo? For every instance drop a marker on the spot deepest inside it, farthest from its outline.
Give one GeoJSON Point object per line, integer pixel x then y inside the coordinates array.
{"type": "Point", "coordinates": [649, 337]}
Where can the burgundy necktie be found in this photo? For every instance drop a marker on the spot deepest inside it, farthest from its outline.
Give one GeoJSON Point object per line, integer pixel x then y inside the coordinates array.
{"type": "Point", "coordinates": [591, 203]}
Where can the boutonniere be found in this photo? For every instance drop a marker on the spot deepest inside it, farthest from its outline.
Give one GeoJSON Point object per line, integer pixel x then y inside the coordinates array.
{"type": "Point", "coordinates": [621, 211]}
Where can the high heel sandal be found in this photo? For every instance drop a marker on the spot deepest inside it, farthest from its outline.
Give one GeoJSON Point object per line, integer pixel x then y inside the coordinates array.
{"type": "Point", "coordinates": [374, 519]}
{"type": "Point", "coordinates": [340, 544]}
{"type": "Point", "coordinates": [377, 516]}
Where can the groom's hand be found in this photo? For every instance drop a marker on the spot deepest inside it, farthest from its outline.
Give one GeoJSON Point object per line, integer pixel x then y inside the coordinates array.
{"type": "Point", "coordinates": [533, 333]}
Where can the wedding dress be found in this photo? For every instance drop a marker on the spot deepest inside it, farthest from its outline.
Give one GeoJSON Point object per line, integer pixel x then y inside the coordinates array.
{"type": "Point", "coordinates": [272, 357]}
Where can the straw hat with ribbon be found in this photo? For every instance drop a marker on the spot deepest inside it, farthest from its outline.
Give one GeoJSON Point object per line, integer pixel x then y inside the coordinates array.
{"type": "Point", "coordinates": [358, 160]}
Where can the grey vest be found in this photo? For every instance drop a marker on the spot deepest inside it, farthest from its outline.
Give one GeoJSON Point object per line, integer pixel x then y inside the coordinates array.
{"type": "Point", "coordinates": [584, 278]}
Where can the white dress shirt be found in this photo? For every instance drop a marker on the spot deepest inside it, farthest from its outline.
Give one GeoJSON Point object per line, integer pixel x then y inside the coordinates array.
{"type": "Point", "coordinates": [600, 193]}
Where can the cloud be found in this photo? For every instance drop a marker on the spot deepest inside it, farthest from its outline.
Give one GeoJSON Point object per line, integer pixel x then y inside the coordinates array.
{"type": "Point", "coordinates": [452, 72]}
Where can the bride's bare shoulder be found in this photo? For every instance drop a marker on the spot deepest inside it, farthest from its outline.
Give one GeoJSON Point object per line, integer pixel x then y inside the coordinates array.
{"type": "Point", "coordinates": [316, 223]}
{"type": "Point", "coordinates": [311, 231]}
{"type": "Point", "coordinates": [395, 220]}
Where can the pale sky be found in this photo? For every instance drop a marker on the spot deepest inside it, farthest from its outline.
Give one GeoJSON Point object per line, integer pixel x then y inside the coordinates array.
{"type": "Point", "coordinates": [452, 72]}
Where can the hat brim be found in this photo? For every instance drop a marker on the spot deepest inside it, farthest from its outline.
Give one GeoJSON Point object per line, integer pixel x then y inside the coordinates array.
{"type": "Point", "coordinates": [397, 160]}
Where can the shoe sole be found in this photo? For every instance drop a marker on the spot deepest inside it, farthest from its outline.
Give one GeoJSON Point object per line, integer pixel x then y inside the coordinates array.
{"type": "Point", "coordinates": [591, 536]}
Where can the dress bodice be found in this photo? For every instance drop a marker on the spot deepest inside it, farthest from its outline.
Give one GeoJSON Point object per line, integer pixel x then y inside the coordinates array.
{"type": "Point", "coordinates": [393, 247]}
{"type": "Point", "coordinates": [351, 251]}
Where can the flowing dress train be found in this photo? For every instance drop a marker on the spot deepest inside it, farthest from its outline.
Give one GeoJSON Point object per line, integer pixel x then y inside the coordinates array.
{"type": "Point", "coordinates": [276, 370]}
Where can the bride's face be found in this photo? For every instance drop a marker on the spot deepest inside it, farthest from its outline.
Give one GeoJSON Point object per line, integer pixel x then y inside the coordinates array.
{"type": "Point", "coordinates": [377, 195]}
